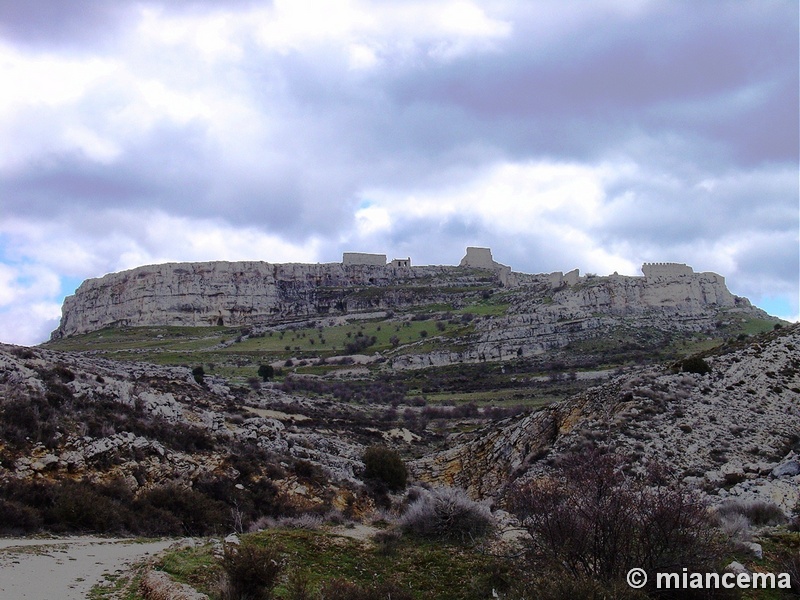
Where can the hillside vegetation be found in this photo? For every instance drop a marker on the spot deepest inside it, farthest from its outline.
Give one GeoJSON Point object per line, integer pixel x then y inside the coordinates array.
{"type": "Point", "coordinates": [422, 450]}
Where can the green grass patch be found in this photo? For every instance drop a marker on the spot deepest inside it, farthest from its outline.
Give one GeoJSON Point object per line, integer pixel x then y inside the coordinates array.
{"type": "Point", "coordinates": [425, 569]}
{"type": "Point", "coordinates": [194, 566]}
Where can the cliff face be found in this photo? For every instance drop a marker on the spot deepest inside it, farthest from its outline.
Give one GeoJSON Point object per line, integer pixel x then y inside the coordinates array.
{"type": "Point", "coordinates": [260, 293]}
{"type": "Point", "coordinates": [242, 293]}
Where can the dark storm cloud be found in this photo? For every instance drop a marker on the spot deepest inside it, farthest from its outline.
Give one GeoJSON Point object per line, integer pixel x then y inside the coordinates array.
{"type": "Point", "coordinates": [82, 25]}
{"type": "Point", "coordinates": [688, 67]}
{"type": "Point", "coordinates": [140, 131]}
{"type": "Point", "coordinates": [55, 22]}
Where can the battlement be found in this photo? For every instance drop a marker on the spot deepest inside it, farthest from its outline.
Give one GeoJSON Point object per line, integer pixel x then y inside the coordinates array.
{"type": "Point", "coordinates": [478, 258]}
{"type": "Point", "coordinates": [664, 270]}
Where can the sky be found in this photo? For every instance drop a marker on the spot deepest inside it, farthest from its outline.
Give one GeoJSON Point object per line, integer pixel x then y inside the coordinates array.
{"type": "Point", "coordinates": [562, 134]}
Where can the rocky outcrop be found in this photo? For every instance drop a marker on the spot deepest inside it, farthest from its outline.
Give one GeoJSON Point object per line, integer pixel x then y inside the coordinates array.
{"type": "Point", "coordinates": [77, 416]}
{"type": "Point", "coordinates": [547, 313]}
{"type": "Point", "coordinates": [730, 432]}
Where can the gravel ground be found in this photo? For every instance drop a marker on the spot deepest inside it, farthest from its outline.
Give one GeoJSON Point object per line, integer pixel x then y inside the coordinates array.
{"type": "Point", "coordinates": [65, 568]}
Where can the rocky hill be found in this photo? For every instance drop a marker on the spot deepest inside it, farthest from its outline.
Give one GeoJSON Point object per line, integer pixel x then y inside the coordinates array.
{"type": "Point", "coordinates": [67, 417]}
{"type": "Point", "coordinates": [731, 431]}
{"type": "Point", "coordinates": [533, 314]}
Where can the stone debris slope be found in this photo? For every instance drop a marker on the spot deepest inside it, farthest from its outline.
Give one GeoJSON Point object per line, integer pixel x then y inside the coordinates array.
{"type": "Point", "coordinates": [67, 415]}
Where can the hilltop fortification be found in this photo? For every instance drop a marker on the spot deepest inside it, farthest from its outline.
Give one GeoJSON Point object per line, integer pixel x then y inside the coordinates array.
{"type": "Point", "coordinates": [261, 293]}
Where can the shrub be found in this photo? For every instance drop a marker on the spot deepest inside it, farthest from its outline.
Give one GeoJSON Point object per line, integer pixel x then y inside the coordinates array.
{"type": "Point", "coordinates": [360, 343]}
{"type": "Point", "coordinates": [298, 586]}
{"type": "Point", "coordinates": [251, 572]}
{"type": "Point", "coordinates": [266, 372]}
{"type": "Point", "coordinates": [340, 589]}
{"type": "Point", "coordinates": [756, 512]}
{"type": "Point", "coordinates": [83, 507]}
{"type": "Point", "coordinates": [16, 518]}
{"type": "Point", "coordinates": [448, 514]}
{"type": "Point", "coordinates": [199, 374]}
{"type": "Point", "coordinates": [193, 512]}
{"type": "Point", "coordinates": [385, 466]}
{"type": "Point", "coordinates": [735, 526]}
{"type": "Point", "coordinates": [694, 364]}
{"type": "Point", "coordinates": [594, 521]}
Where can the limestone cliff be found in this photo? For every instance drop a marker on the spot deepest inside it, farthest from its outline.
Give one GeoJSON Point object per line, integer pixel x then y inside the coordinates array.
{"type": "Point", "coordinates": [542, 308]}
{"type": "Point", "coordinates": [246, 293]}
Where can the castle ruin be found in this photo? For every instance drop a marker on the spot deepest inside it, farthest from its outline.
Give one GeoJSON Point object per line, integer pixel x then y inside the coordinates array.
{"type": "Point", "coordinates": [663, 270]}
{"type": "Point", "coordinates": [363, 259]}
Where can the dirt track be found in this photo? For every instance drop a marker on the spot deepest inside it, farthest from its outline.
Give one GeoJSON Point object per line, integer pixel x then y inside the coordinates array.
{"type": "Point", "coordinates": [64, 568]}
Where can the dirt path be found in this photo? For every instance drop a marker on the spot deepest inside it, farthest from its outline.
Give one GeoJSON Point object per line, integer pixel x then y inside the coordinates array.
{"type": "Point", "coordinates": [65, 568]}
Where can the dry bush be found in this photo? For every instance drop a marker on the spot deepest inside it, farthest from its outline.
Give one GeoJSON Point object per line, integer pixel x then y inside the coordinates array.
{"type": "Point", "coordinates": [736, 527]}
{"type": "Point", "coordinates": [596, 522]}
{"type": "Point", "coordinates": [250, 572]}
{"type": "Point", "coordinates": [340, 589]}
{"type": "Point", "coordinates": [308, 521]}
{"type": "Point", "coordinates": [448, 514]}
{"type": "Point", "coordinates": [298, 586]}
{"type": "Point", "coordinates": [757, 512]}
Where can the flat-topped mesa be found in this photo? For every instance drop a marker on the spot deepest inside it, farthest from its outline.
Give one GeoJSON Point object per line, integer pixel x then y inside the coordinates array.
{"type": "Point", "coordinates": [260, 293]}
{"type": "Point", "coordinates": [254, 293]}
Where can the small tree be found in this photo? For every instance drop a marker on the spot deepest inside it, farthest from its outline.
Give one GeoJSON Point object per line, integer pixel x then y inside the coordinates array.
{"type": "Point", "coordinates": [595, 521]}
{"type": "Point", "coordinates": [199, 374]}
{"type": "Point", "coordinates": [266, 372]}
{"type": "Point", "coordinates": [385, 466]}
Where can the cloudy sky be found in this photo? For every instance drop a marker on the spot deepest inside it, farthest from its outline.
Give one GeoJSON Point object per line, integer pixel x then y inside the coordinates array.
{"type": "Point", "coordinates": [561, 133]}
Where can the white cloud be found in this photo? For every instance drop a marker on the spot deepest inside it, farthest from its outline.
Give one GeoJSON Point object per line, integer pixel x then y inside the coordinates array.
{"type": "Point", "coordinates": [364, 29]}
{"type": "Point", "coordinates": [28, 302]}
{"type": "Point", "coordinates": [30, 288]}
{"type": "Point", "coordinates": [29, 324]}
{"type": "Point", "coordinates": [213, 37]}
{"type": "Point", "coordinates": [542, 202]}
{"type": "Point", "coordinates": [46, 79]}
{"type": "Point", "coordinates": [511, 198]}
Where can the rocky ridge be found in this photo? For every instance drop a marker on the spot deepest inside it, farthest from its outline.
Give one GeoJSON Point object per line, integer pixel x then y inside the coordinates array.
{"type": "Point", "coordinates": [247, 293]}
{"type": "Point", "coordinates": [540, 312]}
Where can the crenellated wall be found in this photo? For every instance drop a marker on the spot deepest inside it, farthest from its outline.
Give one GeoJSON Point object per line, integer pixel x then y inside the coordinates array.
{"type": "Point", "coordinates": [666, 270]}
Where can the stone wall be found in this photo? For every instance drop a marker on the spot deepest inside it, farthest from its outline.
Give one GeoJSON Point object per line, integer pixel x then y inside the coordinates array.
{"type": "Point", "coordinates": [362, 258]}
{"type": "Point", "coordinates": [478, 258]}
{"type": "Point", "coordinates": [666, 270]}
